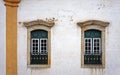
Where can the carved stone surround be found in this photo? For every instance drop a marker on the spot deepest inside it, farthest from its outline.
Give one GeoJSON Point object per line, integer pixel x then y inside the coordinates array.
{"type": "Point", "coordinates": [98, 25]}
{"type": "Point", "coordinates": [35, 25]}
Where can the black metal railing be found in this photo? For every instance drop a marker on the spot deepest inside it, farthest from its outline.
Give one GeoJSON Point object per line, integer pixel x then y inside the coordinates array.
{"type": "Point", "coordinates": [93, 59]}
{"type": "Point", "coordinates": [39, 59]}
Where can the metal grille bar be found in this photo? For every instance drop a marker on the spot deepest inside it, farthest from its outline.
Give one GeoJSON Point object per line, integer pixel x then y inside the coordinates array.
{"type": "Point", "coordinates": [92, 59]}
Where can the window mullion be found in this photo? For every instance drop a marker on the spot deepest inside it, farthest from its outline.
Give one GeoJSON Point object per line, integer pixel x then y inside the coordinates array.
{"type": "Point", "coordinates": [100, 51]}
{"type": "Point", "coordinates": [40, 45]}
{"type": "Point", "coordinates": [93, 46]}
{"type": "Point", "coordinates": [92, 52]}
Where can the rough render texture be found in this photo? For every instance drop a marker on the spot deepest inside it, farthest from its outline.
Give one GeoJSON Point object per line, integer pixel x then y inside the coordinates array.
{"type": "Point", "coordinates": [65, 35]}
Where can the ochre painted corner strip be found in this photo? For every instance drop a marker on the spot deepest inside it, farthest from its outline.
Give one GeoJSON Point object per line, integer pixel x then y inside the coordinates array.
{"type": "Point", "coordinates": [11, 36]}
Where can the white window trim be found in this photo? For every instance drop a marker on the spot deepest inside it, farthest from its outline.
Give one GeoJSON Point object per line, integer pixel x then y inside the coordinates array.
{"type": "Point", "coordinates": [99, 46]}
{"type": "Point", "coordinates": [32, 46]}
{"type": "Point", "coordinates": [46, 45]}
{"type": "Point", "coordinates": [90, 46]}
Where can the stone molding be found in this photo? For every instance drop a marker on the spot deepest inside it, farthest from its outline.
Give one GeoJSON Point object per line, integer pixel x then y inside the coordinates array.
{"type": "Point", "coordinates": [49, 23]}
{"type": "Point", "coordinates": [93, 22]}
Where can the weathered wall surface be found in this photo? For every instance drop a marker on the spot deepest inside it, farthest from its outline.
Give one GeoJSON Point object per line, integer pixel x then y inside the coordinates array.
{"type": "Point", "coordinates": [66, 35]}
{"type": "Point", "coordinates": [2, 39]}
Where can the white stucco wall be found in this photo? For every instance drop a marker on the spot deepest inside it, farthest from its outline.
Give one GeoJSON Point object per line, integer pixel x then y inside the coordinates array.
{"type": "Point", "coordinates": [66, 35]}
{"type": "Point", "coordinates": [2, 39]}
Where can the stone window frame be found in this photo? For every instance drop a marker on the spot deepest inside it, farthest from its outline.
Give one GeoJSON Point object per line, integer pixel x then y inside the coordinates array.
{"type": "Point", "coordinates": [98, 25]}
{"type": "Point", "coordinates": [35, 25]}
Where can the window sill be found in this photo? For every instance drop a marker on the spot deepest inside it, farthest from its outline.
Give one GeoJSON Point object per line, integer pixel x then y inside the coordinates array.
{"type": "Point", "coordinates": [38, 66]}
{"type": "Point", "coordinates": [92, 66]}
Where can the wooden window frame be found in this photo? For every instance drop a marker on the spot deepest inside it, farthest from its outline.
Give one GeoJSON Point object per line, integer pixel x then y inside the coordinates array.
{"type": "Point", "coordinates": [99, 46]}
{"type": "Point", "coordinates": [39, 25]}
{"type": "Point", "coordinates": [46, 45]}
{"type": "Point", "coordinates": [32, 46]}
{"type": "Point", "coordinates": [90, 46]}
{"type": "Point", "coordinates": [98, 25]}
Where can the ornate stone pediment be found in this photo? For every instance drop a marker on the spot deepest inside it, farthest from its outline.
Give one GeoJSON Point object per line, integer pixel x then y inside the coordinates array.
{"type": "Point", "coordinates": [93, 22]}
{"type": "Point", "coordinates": [48, 23]}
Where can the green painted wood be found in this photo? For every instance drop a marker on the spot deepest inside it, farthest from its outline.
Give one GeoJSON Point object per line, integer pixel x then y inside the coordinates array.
{"type": "Point", "coordinates": [92, 33]}
{"type": "Point", "coordinates": [39, 34]}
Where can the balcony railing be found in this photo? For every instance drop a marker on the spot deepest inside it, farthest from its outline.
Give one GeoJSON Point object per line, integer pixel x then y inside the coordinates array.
{"type": "Point", "coordinates": [39, 59]}
{"type": "Point", "coordinates": [93, 59]}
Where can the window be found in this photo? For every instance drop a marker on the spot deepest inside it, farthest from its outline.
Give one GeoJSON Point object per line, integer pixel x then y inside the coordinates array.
{"type": "Point", "coordinates": [39, 52]}
{"type": "Point", "coordinates": [92, 47]}
{"type": "Point", "coordinates": [93, 43]}
{"type": "Point", "coordinates": [39, 43]}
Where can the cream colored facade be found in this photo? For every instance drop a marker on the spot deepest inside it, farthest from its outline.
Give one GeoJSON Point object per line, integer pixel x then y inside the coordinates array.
{"type": "Point", "coordinates": [66, 35]}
